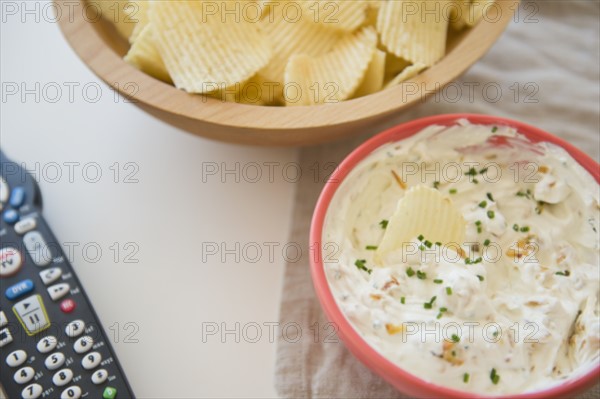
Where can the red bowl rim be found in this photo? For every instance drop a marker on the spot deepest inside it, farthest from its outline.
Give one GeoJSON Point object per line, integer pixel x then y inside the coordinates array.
{"type": "Point", "coordinates": [394, 374]}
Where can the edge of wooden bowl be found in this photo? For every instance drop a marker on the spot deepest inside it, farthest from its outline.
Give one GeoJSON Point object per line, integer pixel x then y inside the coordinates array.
{"type": "Point", "coordinates": [267, 125]}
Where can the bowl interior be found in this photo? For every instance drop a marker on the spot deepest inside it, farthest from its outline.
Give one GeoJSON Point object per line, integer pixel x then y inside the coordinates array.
{"type": "Point", "coordinates": [391, 372]}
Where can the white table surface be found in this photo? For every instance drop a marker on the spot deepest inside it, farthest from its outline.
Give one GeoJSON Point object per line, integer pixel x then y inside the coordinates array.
{"type": "Point", "coordinates": [168, 214]}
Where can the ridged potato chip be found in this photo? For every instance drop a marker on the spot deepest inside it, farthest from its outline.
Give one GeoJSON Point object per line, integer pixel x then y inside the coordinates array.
{"type": "Point", "coordinates": [414, 30]}
{"type": "Point", "coordinates": [289, 38]}
{"type": "Point", "coordinates": [139, 13]}
{"type": "Point", "coordinates": [373, 80]}
{"type": "Point", "coordinates": [466, 13]}
{"type": "Point", "coordinates": [407, 73]}
{"type": "Point", "coordinates": [143, 55]}
{"type": "Point", "coordinates": [201, 49]}
{"type": "Point", "coordinates": [423, 211]}
{"type": "Point", "coordinates": [343, 15]}
{"type": "Point", "coordinates": [331, 77]}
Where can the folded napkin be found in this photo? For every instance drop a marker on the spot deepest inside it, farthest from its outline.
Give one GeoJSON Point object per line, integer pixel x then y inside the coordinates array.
{"type": "Point", "coordinates": [546, 66]}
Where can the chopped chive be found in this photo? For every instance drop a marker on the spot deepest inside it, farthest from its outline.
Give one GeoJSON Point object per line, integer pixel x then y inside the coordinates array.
{"type": "Point", "coordinates": [566, 273]}
{"type": "Point", "coordinates": [491, 214]}
{"type": "Point", "coordinates": [494, 129]}
{"type": "Point", "coordinates": [439, 315]}
{"type": "Point", "coordinates": [490, 197]}
{"type": "Point", "coordinates": [428, 243]}
{"type": "Point", "coordinates": [483, 204]}
{"type": "Point", "coordinates": [436, 184]}
{"type": "Point", "coordinates": [421, 275]}
{"type": "Point", "coordinates": [486, 242]}
{"type": "Point", "coordinates": [524, 229]}
{"type": "Point", "coordinates": [455, 338]}
{"type": "Point", "coordinates": [515, 227]}
{"type": "Point", "coordinates": [494, 377]}
{"type": "Point", "coordinates": [471, 172]}
{"type": "Point", "coordinates": [443, 310]}
{"type": "Point", "coordinates": [429, 305]}
{"type": "Point", "coordinates": [420, 237]}
{"type": "Point", "coordinates": [452, 191]}
{"type": "Point", "coordinates": [422, 247]}
{"type": "Point", "coordinates": [410, 272]}
{"type": "Point", "coordinates": [479, 230]}
{"type": "Point", "coordinates": [475, 181]}
{"type": "Point", "coordinates": [384, 223]}
{"type": "Point", "coordinates": [439, 244]}
{"type": "Point", "coordinates": [403, 300]}
{"type": "Point", "coordinates": [360, 265]}
{"type": "Point", "coordinates": [449, 290]}
{"type": "Point", "coordinates": [466, 377]}
{"type": "Point", "coordinates": [482, 171]}
{"type": "Point", "coordinates": [371, 247]}
{"type": "Point", "coordinates": [480, 277]}
{"type": "Point", "coordinates": [438, 281]}
{"type": "Point", "coordinates": [521, 194]}
{"type": "Point", "coordinates": [478, 223]}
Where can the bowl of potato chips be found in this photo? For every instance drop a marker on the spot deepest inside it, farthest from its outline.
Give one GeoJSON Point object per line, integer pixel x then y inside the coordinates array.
{"type": "Point", "coordinates": [280, 72]}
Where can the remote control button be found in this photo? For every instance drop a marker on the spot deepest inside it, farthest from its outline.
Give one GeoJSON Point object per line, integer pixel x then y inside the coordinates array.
{"type": "Point", "coordinates": [25, 225]}
{"type": "Point", "coordinates": [91, 361]}
{"type": "Point", "coordinates": [17, 197]}
{"type": "Point", "coordinates": [4, 190]}
{"type": "Point", "coordinates": [47, 344]}
{"type": "Point", "coordinates": [57, 291]}
{"type": "Point", "coordinates": [83, 344]}
{"type": "Point", "coordinates": [32, 314]}
{"type": "Point", "coordinates": [16, 358]}
{"type": "Point", "coordinates": [62, 377]}
{"type": "Point", "coordinates": [24, 375]}
{"type": "Point", "coordinates": [99, 376]}
{"type": "Point", "coordinates": [109, 393]}
{"type": "Point", "coordinates": [10, 216]}
{"type": "Point", "coordinates": [73, 392]}
{"type": "Point", "coordinates": [3, 320]}
{"type": "Point", "coordinates": [5, 337]}
{"type": "Point", "coordinates": [32, 391]}
{"type": "Point", "coordinates": [10, 261]}
{"type": "Point", "coordinates": [68, 305]}
{"type": "Point", "coordinates": [75, 328]}
{"type": "Point", "coordinates": [50, 275]}
{"type": "Point", "coordinates": [21, 288]}
{"type": "Point", "coordinates": [37, 248]}
{"type": "Point", "coordinates": [54, 361]}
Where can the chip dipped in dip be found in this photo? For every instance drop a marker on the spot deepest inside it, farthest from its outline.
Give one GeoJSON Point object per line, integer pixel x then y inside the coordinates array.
{"type": "Point", "coordinates": [511, 308]}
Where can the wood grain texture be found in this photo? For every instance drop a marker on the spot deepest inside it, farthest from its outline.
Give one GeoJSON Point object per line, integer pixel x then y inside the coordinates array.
{"type": "Point", "coordinates": [102, 49]}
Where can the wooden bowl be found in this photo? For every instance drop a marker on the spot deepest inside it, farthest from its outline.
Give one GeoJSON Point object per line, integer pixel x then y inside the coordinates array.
{"type": "Point", "coordinates": [102, 49]}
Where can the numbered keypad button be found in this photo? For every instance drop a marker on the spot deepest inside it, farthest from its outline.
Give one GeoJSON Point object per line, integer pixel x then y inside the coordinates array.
{"type": "Point", "coordinates": [83, 344]}
{"type": "Point", "coordinates": [99, 376]}
{"type": "Point", "coordinates": [16, 358]}
{"type": "Point", "coordinates": [73, 392]}
{"type": "Point", "coordinates": [62, 377]}
{"type": "Point", "coordinates": [32, 391]}
{"type": "Point", "coordinates": [54, 361]}
{"type": "Point", "coordinates": [91, 360]}
{"type": "Point", "coordinates": [75, 328]}
{"type": "Point", "coordinates": [24, 375]}
{"type": "Point", "coordinates": [47, 344]}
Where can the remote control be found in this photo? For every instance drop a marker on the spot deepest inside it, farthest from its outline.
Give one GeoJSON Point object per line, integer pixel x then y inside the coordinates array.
{"type": "Point", "coordinates": [51, 341]}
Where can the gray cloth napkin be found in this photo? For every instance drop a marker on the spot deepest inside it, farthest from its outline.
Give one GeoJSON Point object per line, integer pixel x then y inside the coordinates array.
{"type": "Point", "coordinates": [546, 65]}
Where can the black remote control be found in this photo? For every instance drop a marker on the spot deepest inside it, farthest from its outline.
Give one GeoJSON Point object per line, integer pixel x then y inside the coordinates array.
{"type": "Point", "coordinates": [51, 341]}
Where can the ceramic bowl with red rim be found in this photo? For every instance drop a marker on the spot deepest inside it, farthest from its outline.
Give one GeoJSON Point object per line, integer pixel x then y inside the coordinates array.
{"type": "Point", "coordinates": [401, 374]}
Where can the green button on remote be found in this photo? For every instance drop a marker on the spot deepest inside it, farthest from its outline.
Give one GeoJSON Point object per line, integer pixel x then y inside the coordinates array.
{"type": "Point", "coordinates": [109, 393]}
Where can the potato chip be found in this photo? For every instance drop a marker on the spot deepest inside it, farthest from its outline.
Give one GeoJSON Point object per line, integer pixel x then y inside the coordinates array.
{"type": "Point", "coordinates": [414, 30]}
{"type": "Point", "coordinates": [408, 73]}
{"type": "Point", "coordinates": [335, 14]}
{"type": "Point", "coordinates": [201, 49]}
{"type": "Point", "coordinates": [373, 80]}
{"type": "Point", "coordinates": [143, 55]}
{"type": "Point", "coordinates": [289, 38]}
{"type": "Point", "coordinates": [423, 211]}
{"type": "Point", "coordinates": [139, 13]}
{"type": "Point", "coordinates": [119, 13]}
{"type": "Point", "coordinates": [255, 91]}
{"type": "Point", "coordinates": [331, 77]}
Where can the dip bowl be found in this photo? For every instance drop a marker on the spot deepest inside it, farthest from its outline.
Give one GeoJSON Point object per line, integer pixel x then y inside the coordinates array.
{"type": "Point", "coordinates": [398, 377]}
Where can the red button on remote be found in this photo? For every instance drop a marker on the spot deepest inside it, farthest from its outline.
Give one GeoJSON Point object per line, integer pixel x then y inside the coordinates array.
{"type": "Point", "coordinates": [67, 306]}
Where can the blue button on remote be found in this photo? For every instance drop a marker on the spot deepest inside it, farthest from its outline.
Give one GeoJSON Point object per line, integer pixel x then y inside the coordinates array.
{"type": "Point", "coordinates": [10, 216]}
{"type": "Point", "coordinates": [21, 288]}
{"type": "Point", "coordinates": [17, 197]}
